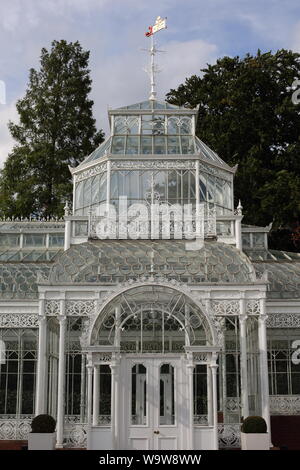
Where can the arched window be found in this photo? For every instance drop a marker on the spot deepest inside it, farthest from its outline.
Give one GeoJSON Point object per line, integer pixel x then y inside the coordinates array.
{"type": "Point", "coordinates": [152, 319]}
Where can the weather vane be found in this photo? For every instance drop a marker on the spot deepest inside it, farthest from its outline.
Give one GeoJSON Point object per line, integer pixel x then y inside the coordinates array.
{"type": "Point", "coordinates": [160, 23]}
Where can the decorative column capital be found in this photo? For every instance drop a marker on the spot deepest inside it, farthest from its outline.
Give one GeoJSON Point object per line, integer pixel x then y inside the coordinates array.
{"type": "Point", "coordinates": [243, 318]}
{"type": "Point", "coordinates": [42, 319]}
{"type": "Point", "coordinates": [62, 319]}
{"type": "Point", "coordinates": [262, 318]}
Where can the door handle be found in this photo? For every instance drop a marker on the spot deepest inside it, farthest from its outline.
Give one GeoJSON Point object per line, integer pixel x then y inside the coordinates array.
{"type": "Point", "coordinates": [156, 432]}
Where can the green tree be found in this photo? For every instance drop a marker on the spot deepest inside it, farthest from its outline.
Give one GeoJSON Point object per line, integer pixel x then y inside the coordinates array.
{"type": "Point", "coordinates": [247, 116]}
{"type": "Point", "coordinates": [56, 129]}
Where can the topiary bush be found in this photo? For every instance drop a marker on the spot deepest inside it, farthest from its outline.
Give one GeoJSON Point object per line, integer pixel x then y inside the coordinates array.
{"type": "Point", "coordinates": [254, 424]}
{"type": "Point", "coordinates": [43, 424]}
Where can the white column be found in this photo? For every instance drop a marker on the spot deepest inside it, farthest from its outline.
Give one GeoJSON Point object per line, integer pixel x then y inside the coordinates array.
{"type": "Point", "coordinates": [113, 404]}
{"type": "Point", "coordinates": [197, 183]}
{"type": "Point", "coordinates": [61, 378]}
{"type": "Point", "coordinates": [190, 370]}
{"type": "Point", "coordinates": [117, 410]}
{"type": "Point", "coordinates": [238, 232]}
{"type": "Point", "coordinates": [224, 386]}
{"type": "Point", "coordinates": [108, 175]}
{"type": "Point", "coordinates": [114, 366]}
{"type": "Point", "coordinates": [243, 360]}
{"type": "Point", "coordinates": [67, 234]}
{"type": "Point", "coordinates": [209, 398]}
{"type": "Point", "coordinates": [96, 391]}
{"type": "Point", "coordinates": [199, 226]}
{"type": "Point", "coordinates": [40, 403]}
{"type": "Point", "coordinates": [263, 362]}
{"type": "Point", "coordinates": [89, 393]}
{"type": "Point", "coordinates": [187, 324]}
{"type": "Point", "coordinates": [117, 328]}
{"type": "Point", "coordinates": [82, 389]}
{"type": "Point", "coordinates": [213, 368]}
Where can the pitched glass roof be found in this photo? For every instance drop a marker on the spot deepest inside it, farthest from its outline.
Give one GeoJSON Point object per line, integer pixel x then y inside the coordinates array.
{"type": "Point", "coordinates": [152, 104]}
{"type": "Point", "coordinates": [271, 255]}
{"type": "Point", "coordinates": [10, 256]}
{"type": "Point", "coordinates": [283, 277]}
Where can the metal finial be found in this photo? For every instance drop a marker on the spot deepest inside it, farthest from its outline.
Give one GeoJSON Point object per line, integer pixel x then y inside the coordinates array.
{"type": "Point", "coordinates": [239, 208]}
{"type": "Point", "coordinates": [159, 24]}
{"type": "Point", "coordinates": [67, 209]}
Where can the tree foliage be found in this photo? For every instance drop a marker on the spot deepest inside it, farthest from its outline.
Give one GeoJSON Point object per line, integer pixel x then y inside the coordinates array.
{"type": "Point", "coordinates": [247, 116]}
{"type": "Point", "coordinates": [56, 129]}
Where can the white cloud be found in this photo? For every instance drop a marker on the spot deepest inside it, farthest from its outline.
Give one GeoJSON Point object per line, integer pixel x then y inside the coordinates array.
{"type": "Point", "coordinates": [17, 14]}
{"type": "Point", "coordinates": [7, 112]}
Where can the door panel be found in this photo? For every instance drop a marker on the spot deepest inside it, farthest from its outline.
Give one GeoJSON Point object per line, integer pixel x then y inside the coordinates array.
{"type": "Point", "coordinates": [166, 443]}
{"type": "Point", "coordinates": [155, 397]}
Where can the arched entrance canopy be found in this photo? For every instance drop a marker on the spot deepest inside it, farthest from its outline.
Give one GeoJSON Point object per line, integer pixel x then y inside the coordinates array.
{"type": "Point", "coordinates": [152, 317]}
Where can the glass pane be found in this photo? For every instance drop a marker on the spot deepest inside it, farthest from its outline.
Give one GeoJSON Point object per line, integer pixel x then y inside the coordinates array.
{"type": "Point", "coordinates": [79, 195]}
{"type": "Point", "coordinates": [7, 239]}
{"type": "Point", "coordinates": [173, 144]}
{"type": "Point", "coordinates": [246, 239]}
{"type": "Point", "coordinates": [147, 124]}
{"type": "Point", "coordinates": [200, 395]}
{"type": "Point", "coordinates": [202, 187]}
{"type": "Point", "coordinates": [158, 125]}
{"type": "Point", "coordinates": [87, 193]}
{"type": "Point", "coordinates": [105, 395]}
{"type": "Point", "coordinates": [166, 392]}
{"type": "Point", "coordinates": [138, 395]}
{"type": "Point", "coordinates": [160, 185]}
{"type": "Point", "coordinates": [56, 239]}
{"type": "Point", "coordinates": [186, 125]}
{"type": "Point", "coordinates": [146, 145]}
{"type": "Point", "coordinates": [34, 240]}
{"type": "Point", "coordinates": [102, 188]}
{"type": "Point", "coordinates": [132, 145]}
{"type": "Point", "coordinates": [258, 239]}
{"type": "Point", "coordinates": [95, 189]}
{"type": "Point", "coordinates": [159, 145]}
{"type": "Point", "coordinates": [81, 229]}
{"type": "Point", "coordinates": [187, 144]}
{"type": "Point", "coordinates": [126, 125]}
{"type": "Point", "coordinates": [174, 185]}
{"type": "Point", "coordinates": [118, 145]}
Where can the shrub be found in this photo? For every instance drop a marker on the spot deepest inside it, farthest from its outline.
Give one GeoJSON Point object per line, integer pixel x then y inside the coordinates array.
{"type": "Point", "coordinates": [254, 424]}
{"type": "Point", "coordinates": [43, 424]}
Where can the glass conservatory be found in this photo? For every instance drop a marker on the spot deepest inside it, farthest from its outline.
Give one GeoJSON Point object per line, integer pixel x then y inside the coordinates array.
{"type": "Point", "coordinates": [150, 342]}
{"type": "Point", "coordinates": [160, 133]}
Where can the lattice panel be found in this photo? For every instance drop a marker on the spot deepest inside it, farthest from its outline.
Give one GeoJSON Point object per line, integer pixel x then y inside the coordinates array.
{"type": "Point", "coordinates": [253, 307]}
{"type": "Point", "coordinates": [285, 405]}
{"type": "Point", "coordinates": [18, 320]}
{"type": "Point", "coordinates": [225, 307]}
{"type": "Point", "coordinates": [80, 308]}
{"type": "Point", "coordinates": [14, 428]}
{"type": "Point", "coordinates": [283, 320]}
{"type": "Point", "coordinates": [229, 435]}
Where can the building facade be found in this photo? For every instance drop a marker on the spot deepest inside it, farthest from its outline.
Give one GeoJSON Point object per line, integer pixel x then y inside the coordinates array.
{"type": "Point", "coordinates": [153, 341]}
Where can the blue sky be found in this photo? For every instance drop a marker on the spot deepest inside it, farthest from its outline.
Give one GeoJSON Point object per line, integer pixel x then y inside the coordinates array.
{"type": "Point", "coordinates": [199, 31]}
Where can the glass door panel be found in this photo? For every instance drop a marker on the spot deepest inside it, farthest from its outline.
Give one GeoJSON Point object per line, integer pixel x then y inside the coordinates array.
{"type": "Point", "coordinates": [167, 405]}
{"type": "Point", "coordinates": [138, 395]}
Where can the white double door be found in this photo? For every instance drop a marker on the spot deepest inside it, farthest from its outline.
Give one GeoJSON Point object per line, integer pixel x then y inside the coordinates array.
{"type": "Point", "coordinates": [154, 403]}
